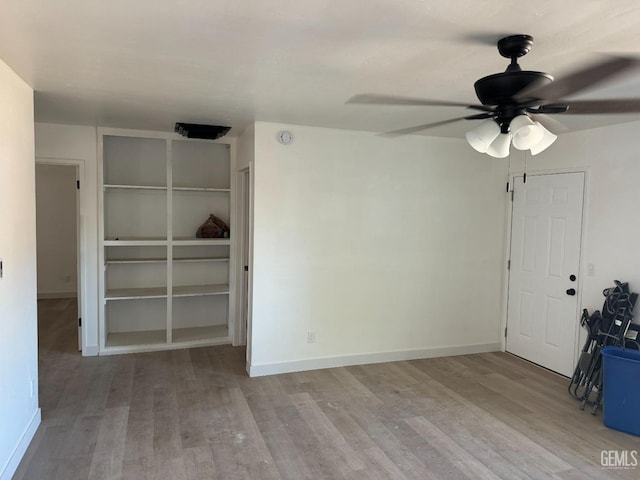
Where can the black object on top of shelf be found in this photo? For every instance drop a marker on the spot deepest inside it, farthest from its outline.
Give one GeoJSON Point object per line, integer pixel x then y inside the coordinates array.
{"type": "Point", "coordinates": [195, 130]}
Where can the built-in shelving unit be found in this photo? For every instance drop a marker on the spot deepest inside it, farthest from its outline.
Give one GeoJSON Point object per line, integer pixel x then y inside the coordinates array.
{"type": "Point", "coordinates": [162, 287]}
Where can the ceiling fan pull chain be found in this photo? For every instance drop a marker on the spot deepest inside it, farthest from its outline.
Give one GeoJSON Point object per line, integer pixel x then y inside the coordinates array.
{"type": "Point", "coordinates": [509, 174]}
{"type": "Point", "coordinates": [524, 176]}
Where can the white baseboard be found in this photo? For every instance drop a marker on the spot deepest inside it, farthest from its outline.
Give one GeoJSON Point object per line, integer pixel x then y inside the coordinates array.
{"type": "Point", "coordinates": [362, 359]}
{"type": "Point", "coordinates": [90, 351]}
{"type": "Point", "coordinates": [15, 458]}
{"type": "Point", "coordinates": [48, 295]}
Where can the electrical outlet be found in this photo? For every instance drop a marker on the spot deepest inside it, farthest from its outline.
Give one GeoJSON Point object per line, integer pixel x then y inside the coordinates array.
{"type": "Point", "coordinates": [67, 279]}
{"type": "Point", "coordinates": [591, 269]}
{"type": "Point", "coordinates": [311, 337]}
{"type": "Point", "coordinates": [33, 387]}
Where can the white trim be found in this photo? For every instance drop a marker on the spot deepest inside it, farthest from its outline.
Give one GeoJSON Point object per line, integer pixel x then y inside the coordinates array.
{"type": "Point", "coordinates": [47, 295]}
{"type": "Point", "coordinates": [90, 350]}
{"type": "Point", "coordinates": [101, 240]}
{"type": "Point", "coordinates": [249, 327]}
{"type": "Point", "coordinates": [16, 456]}
{"type": "Point", "coordinates": [549, 171]}
{"type": "Point", "coordinates": [128, 132]}
{"type": "Point", "coordinates": [582, 271]}
{"type": "Point", "coordinates": [242, 232]}
{"type": "Point", "coordinates": [363, 359]}
{"type": "Point", "coordinates": [83, 246]}
{"type": "Point", "coordinates": [507, 256]}
{"type": "Point", "coordinates": [233, 220]}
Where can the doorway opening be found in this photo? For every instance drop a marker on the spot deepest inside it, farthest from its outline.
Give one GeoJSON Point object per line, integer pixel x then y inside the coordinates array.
{"type": "Point", "coordinates": [58, 238]}
{"type": "Point", "coordinates": [243, 264]}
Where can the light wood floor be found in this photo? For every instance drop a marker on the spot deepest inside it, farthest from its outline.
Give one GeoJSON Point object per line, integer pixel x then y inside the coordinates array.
{"type": "Point", "coordinates": [194, 414]}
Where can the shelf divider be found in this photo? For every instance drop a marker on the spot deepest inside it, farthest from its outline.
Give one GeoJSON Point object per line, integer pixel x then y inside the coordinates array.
{"type": "Point", "coordinates": [190, 241]}
{"type": "Point", "coordinates": [199, 290]}
{"type": "Point", "coordinates": [194, 334]}
{"type": "Point", "coordinates": [135, 241]}
{"type": "Point", "coordinates": [144, 337]}
{"type": "Point", "coordinates": [135, 293]}
{"type": "Point", "coordinates": [133, 187]}
{"type": "Point", "coordinates": [134, 260]}
{"type": "Point", "coordinates": [201, 189]}
{"type": "Point", "coordinates": [201, 259]}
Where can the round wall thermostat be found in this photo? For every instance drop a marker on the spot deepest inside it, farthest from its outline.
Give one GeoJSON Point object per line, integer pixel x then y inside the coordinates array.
{"type": "Point", "coordinates": [285, 137]}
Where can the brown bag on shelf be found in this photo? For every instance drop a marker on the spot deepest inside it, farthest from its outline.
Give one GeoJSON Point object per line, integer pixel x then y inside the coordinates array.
{"type": "Point", "coordinates": [213, 227]}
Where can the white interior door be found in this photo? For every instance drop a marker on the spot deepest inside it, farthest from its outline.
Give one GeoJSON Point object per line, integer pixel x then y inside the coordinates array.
{"type": "Point", "coordinates": [243, 231]}
{"type": "Point", "coordinates": [546, 232]}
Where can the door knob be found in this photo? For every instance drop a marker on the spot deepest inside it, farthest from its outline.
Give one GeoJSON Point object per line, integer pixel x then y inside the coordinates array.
{"type": "Point", "coordinates": [571, 291]}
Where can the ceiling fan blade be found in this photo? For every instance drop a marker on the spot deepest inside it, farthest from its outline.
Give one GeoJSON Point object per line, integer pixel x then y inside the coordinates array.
{"type": "Point", "coordinates": [374, 99]}
{"type": "Point", "coordinates": [611, 106]}
{"type": "Point", "coordinates": [577, 81]}
{"type": "Point", "coordinates": [418, 128]}
{"type": "Point", "coordinates": [549, 109]}
{"type": "Point", "coordinates": [550, 123]}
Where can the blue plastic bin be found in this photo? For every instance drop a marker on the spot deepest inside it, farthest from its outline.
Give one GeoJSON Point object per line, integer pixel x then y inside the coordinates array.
{"type": "Point", "coordinates": [622, 389]}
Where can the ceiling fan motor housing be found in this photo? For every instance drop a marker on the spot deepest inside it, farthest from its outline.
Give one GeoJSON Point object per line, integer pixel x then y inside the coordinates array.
{"type": "Point", "coordinates": [501, 88]}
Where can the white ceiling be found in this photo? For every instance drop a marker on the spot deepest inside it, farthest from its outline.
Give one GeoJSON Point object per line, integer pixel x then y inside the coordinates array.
{"type": "Point", "coordinates": [149, 63]}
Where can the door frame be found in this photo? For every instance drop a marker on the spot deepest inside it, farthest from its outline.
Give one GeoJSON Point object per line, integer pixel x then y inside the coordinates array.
{"type": "Point", "coordinates": [507, 251]}
{"type": "Point", "coordinates": [244, 202]}
{"type": "Point", "coordinates": [81, 247]}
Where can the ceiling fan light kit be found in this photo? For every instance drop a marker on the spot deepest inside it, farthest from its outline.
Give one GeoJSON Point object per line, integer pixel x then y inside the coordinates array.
{"type": "Point", "coordinates": [499, 148]}
{"type": "Point", "coordinates": [547, 139]}
{"type": "Point", "coordinates": [513, 103]}
{"type": "Point", "coordinates": [481, 137]}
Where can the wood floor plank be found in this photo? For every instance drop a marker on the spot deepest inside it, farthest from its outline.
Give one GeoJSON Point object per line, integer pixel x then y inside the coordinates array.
{"type": "Point", "coordinates": [500, 431]}
{"type": "Point", "coordinates": [199, 463]}
{"type": "Point", "coordinates": [328, 435]}
{"type": "Point", "coordinates": [448, 448]}
{"type": "Point", "coordinates": [194, 414]}
{"type": "Point", "coordinates": [109, 450]}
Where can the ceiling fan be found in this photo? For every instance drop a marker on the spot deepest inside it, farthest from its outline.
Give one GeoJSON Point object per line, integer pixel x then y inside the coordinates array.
{"type": "Point", "coordinates": [515, 103]}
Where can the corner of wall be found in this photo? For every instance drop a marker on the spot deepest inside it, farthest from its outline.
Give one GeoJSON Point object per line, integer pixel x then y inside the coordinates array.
{"type": "Point", "coordinates": [16, 457]}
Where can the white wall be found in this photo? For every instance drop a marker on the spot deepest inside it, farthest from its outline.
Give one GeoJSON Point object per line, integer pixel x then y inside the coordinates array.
{"type": "Point", "coordinates": [77, 144]}
{"type": "Point", "coordinates": [611, 232]}
{"type": "Point", "coordinates": [246, 147]}
{"type": "Point", "coordinates": [19, 412]}
{"type": "Point", "coordinates": [56, 230]}
{"type": "Point", "coordinates": [385, 248]}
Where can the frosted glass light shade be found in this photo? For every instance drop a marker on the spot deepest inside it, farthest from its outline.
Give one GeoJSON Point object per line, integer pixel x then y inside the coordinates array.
{"type": "Point", "coordinates": [547, 140]}
{"type": "Point", "coordinates": [499, 148]}
{"type": "Point", "coordinates": [481, 137]}
{"type": "Point", "coordinates": [525, 133]}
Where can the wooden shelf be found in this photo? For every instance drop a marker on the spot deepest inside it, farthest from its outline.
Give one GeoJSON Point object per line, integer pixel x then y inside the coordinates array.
{"type": "Point", "coordinates": [199, 290]}
{"type": "Point", "coordinates": [162, 260]}
{"type": "Point", "coordinates": [135, 241]}
{"type": "Point", "coordinates": [201, 259]}
{"type": "Point", "coordinates": [134, 187]}
{"type": "Point", "coordinates": [201, 334]}
{"type": "Point", "coordinates": [201, 189]}
{"type": "Point", "coordinates": [146, 337]}
{"type": "Point", "coordinates": [135, 293]}
{"type": "Point", "coordinates": [190, 241]}
{"type": "Point", "coordinates": [134, 260]}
